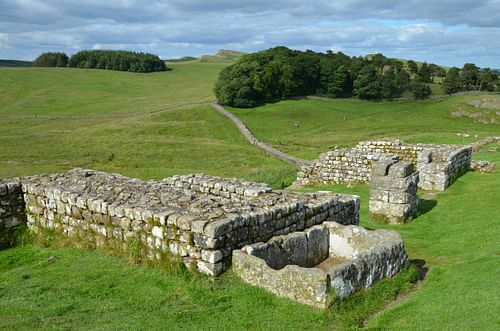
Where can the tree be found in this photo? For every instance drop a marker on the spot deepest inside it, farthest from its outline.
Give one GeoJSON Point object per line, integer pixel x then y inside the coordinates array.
{"type": "Point", "coordinates": [424, 73]}
{"type": "Point", "coordinates": [367, 84]}
{"type": "Point", "coordinates": [452, 83]}
{"type": "Point", "coordinates": [470, 76]}
{"type": "Point", "coordinates": [488, 80]}
{"type": "Point", "coordinates": [51, 59]}
{"type": "Point", "coordinates": [420, 90]}
{"type": "Point", "coordinates": [389, 89]}
{"type": "Point", "coordinates": [402, 80]}
{"type": "Point", "coordinates": [117, 60]}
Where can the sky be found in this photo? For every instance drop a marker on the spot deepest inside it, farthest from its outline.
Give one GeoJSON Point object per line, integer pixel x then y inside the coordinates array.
{"type": "Point", "coordinates": [445, 32]}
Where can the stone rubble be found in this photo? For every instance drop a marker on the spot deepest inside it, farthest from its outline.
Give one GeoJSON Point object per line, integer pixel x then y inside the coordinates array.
{"type": "Point", "coordinates": [483, 166]}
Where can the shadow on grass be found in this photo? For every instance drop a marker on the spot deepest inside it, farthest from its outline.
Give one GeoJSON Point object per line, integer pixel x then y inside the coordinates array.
{"type": "Point", "coordinates": [425, 206]}
{"type": "Point", "coordinates": [422, 269]}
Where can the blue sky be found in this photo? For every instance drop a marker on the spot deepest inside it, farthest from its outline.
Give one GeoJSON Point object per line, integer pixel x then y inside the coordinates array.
{"type": "Point", "coordinates": [447, 32]}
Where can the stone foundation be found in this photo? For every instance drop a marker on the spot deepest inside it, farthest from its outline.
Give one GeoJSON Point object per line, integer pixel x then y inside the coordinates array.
{"type": "Point", "coordinates": [393, 192]}
{"type": "Point", "coordinates": [439, 165]}
{"type": "Point", "coordinates": [323, 263]}
{"type": "Point", "coordinates": [199, 218]}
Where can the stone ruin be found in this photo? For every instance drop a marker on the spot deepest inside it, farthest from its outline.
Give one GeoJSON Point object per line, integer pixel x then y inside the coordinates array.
{"type": "Point", "coordinates": [323, 263]}
{"type": "Point", "coordinates": [199, 218]}
{"type": "Point", "coordinates": [393, 192]}
{"type": "Point", "coordinates": [298, 245]}
{"type": "Point", "coordinates": [439, 165]}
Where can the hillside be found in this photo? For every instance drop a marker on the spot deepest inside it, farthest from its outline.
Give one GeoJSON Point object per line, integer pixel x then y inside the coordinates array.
{"type": "Point", "coordinates": [15, 63]}
{"type": "Point", "coordinates": [143, 125]}
{"type": "Point", "coordinates": [222, 56]}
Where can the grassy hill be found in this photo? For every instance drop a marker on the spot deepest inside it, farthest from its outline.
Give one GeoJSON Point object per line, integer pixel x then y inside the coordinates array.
{"type": "Point", "coordinates": [142, 125]}
{"type": "Point", "coordinates": [15, 63]}
{"type": "Point", "coordinates": [156, 125]}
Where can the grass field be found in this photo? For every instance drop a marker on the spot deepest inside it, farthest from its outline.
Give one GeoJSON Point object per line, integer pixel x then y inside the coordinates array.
{"type": "Point", "coordinates": [305, 128]}
{"type": "Point", "coordinates": [141, 125]}
{"type": "Point", "coordinates": [152, 126]}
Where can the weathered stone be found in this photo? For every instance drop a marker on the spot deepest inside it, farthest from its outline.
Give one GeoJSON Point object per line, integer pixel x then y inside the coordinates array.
{"type": "Point", "coordinates": [355, 259]}
{"type": "Point", "coordinates": [393, 198]}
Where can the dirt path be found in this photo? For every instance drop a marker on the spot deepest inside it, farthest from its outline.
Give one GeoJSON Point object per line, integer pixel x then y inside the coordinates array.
{"type": "Point", "coordinates": [252, 140]}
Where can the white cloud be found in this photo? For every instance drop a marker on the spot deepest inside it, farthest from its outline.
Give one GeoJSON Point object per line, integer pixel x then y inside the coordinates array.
{"type": "Point", "coordinates": [443, 31]}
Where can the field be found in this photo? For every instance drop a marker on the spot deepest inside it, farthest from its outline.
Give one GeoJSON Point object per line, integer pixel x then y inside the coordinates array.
{"type": "Point", "coordinates": [155, 125]}
{"type": "Point", "coordinates": [141, 125]}
{"type": "Point", "coordinates": [305, 128]}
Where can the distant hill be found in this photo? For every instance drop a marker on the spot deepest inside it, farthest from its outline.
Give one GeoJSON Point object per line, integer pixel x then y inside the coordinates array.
{"type": "Point", "coordinates": [183, 59]}
{"type": "Point", "coordinates": [222, 55]}
{"type": "Point", "coordinates": [15, 63]}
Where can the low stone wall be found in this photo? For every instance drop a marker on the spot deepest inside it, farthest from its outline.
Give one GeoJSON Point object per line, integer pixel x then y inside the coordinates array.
{"type": "Point", "coordinates": [439, 168]}
{"type": "Point", "coordinates": [307, 266]}
{"type": "Point", "coordinates": [439, 165]}
{"type": "Point", "coordinates": [341, 165]}
{"type": "Point", "coordinates": [201, 224]}
{"type": "Point", "coordinates": [230, 188]}
{"type": "Point", "coordinates": [11, 207]}
{"type": "Point", "coordinates": [393, 192]}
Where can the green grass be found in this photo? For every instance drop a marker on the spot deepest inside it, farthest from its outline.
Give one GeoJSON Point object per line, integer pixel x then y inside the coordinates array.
{"type": "Point", "coordinates": [126, 123]}
{"type": "Point", "coordinates": [305, 128]}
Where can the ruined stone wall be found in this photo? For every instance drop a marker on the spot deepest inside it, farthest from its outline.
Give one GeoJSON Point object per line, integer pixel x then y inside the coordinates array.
{"type": "Point", "coordinates": [341, 165]}
{"type": "Point", "coordinates": [109, 210]}
{"type": "Point", "coordinates": [11, 206]}
{"type": "Point", "coordinates": [393, 192]}
{"type": "Point", "coordinates": [447, 163]}
{"type": "Point", "coordinates": [230, 188]}
{"type": "Point", "coordinates": [439, 168]}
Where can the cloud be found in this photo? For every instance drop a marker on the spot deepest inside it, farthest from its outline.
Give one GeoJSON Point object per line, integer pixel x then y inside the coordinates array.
{"type": "Point", "coordinates": [442, 31]}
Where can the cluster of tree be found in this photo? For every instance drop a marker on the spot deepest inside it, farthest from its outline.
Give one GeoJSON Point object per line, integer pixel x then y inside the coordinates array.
{"type": "Point", "coordinates": [470, 78]}
{"type": "Point", "coordinates": [104, 59]}
{"type": "Point", "coordinates": [51, 59]}
{"type": "Point", "coordinates": [279, 73]}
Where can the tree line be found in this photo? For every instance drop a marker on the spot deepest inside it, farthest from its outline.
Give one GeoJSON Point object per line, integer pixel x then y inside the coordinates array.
{"type": "Point", "coordinates": [103, 59]}
{"type": "Point", "coordinates": [280, 73]}
{"type": "Point", "coordinates": [470, 78]}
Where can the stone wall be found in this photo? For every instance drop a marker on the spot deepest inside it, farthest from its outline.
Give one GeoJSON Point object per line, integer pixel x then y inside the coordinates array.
{"type": "Point", "coordinates": [230, 188]}
{"type": "Point", "coordinates": [439, 168]}
{"type": "Point", "coordinates": [444, 163]}
{"type": "Point", "coordinates": [11, 207]}
{"type": "Point", "coordinates": [326, 262]}
{"type": "Point", "coordinates": [393, 192]}
{"type": "Point", "coordinates": [184, 216]}
{"type": "Point", "coordinates": [341, 165]}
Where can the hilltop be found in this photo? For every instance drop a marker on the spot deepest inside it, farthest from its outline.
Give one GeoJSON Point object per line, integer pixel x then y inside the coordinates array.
{"type": "Point", "coordinates": [222, 56]}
